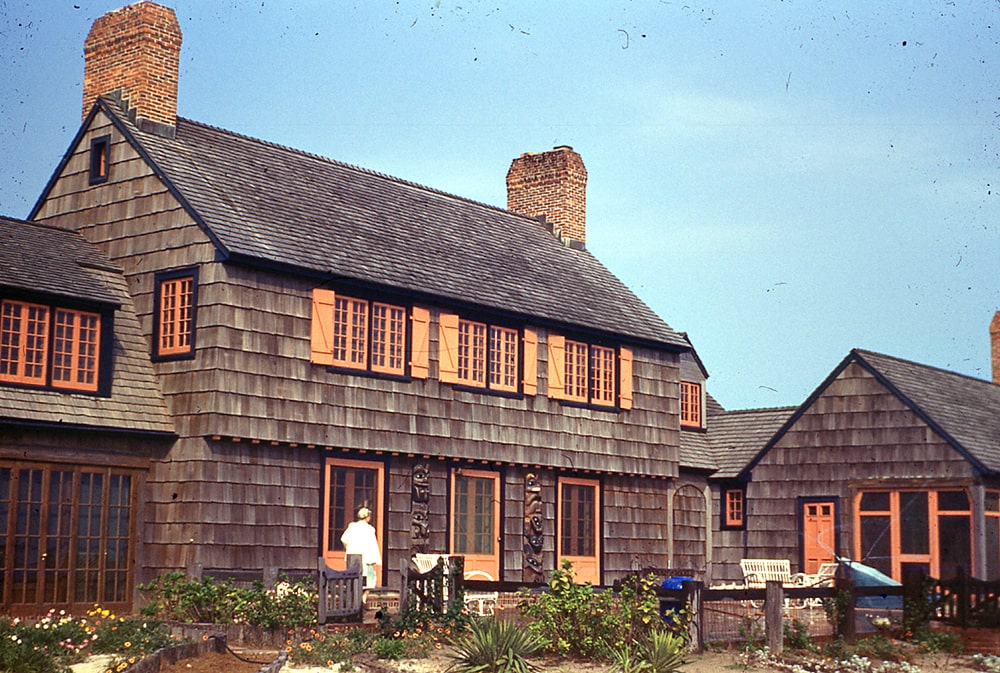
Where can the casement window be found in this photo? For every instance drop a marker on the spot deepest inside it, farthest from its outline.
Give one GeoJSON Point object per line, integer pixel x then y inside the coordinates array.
{"type": "Point", "coordinates": [691, 404]}
{"type": "Point", "coordinates": [350, 485]}
{"type": "Point", "coordinates": [589, 374]}
{"type": "Point", "coordinates": [174, 314]}
{"type": "Point", "coordinates": [900, 530]}
{"type": "Point", "coordinates": [100, 159]}
{"type": "Point", "coordinates": [733, 508]}
{"type": "Point", "coordinates": [69, 533]}
{"type": "Point", "coordinates": [362, 335]}
{"type": "Point", "coordinates": [43, 345]}
{"type": "Point", "coordinates": [481, 355]}
{"type": "Point", "coordinates": [579, 502]}
{"type": "Point", "coordinates": [475, 521]}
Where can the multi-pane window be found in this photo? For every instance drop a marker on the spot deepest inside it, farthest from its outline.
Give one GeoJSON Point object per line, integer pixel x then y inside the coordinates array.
{"type": "Point", "coordinates": [478, 354]}
{"type": "Point", "coordinates": [388, 338]}
{"type": "Point", "coordinates": [75, 341]}
{"type": "Point", "coordinates": [733, 508]}
{"type": "Point", "coordinates": [350, 333]}
{"type": "Point", "coordinates": [43, 345]}
{"type": "Point", "coordinates": [587, 373]}
{"type": "Point", "coordinates": [691, 404]}
{"type": "Point", "coordinates": [359, 334]}
{"type": "Point", "coordinates": [175, 316]}
{"type": "Point", "coordinates": [69, 541]}
{"type": "Point", "coordinates": [929, 531]}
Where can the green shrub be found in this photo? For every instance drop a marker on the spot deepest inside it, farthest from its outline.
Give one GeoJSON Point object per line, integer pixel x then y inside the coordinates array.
{"type": "Point", "coordinates": [494, 646]}
{"type": "Point", "coordinates": [576, 620]}
{"type": "Point", "coordinates": [664, 652]}
{"type": "Point", "coordinates": [880, 647]}
{"type": "Point", "coordinates": [174, 596]}
{"type": "Point", "coordinates": [389, 648]}
{"type": "Point", "coordinates": [797, 635]}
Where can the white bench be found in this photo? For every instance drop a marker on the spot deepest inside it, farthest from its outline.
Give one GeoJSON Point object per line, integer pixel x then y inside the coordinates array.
{"type": "Point", "coordinates": [758, 571]}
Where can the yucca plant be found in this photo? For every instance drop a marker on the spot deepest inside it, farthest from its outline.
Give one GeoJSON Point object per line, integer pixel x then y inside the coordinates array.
{"type": "Point", "coordinates": [663, 652]}
{"type": "Point", "coordinates": [494, 646]}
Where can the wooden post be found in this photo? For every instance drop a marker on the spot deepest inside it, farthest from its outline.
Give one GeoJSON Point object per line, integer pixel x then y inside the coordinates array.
{"type": "Point", "coordinates": [964, 597]}
{"type": "Point", "coordinates": [847, 624]}
{"type": "Point", "coordinates": [693, 590]}
{"type": "Point", "coordinates": [774, 601]}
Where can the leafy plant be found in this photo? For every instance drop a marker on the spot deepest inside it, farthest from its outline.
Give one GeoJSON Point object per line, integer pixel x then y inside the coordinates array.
{"type": "Point", "coordinates": [797, 635]}
{"type": "Point", "coordinates": [389, 648]}
{"type": "Point", "coordinates": [664, 652]}
{"type": "Point", "coordinates": [495, 646]}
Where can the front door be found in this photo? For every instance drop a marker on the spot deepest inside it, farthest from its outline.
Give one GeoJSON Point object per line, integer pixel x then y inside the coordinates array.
{"type": "Point", "coordinates": [819, 535]}
{"type": "Point", "coordinates": [475, 524]}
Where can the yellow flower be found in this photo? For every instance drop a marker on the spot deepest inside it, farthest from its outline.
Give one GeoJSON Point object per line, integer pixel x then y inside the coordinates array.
{"type": "Point", "coordinates": [128, 644]}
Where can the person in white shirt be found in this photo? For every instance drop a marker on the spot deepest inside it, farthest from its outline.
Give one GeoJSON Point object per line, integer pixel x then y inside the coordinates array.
{"type": "Point", "coordinates": [359, 538]}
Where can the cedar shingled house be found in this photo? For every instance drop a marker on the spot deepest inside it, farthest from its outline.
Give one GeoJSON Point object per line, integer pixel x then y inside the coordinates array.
{"type": "Point", "coordinates": [81, 419]}
{"type": "Point", "coordinates": [328, 337]}
{"type": "Point", "coordinates": [889, 462]}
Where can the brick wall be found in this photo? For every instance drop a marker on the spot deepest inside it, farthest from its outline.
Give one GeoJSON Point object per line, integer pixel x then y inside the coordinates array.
{"type": "Point", "coordinates": [553, 184]}
{"type": "Point", "coordinates": [995, 346]}
{"type": "Point", "coordinates": [135, 50]}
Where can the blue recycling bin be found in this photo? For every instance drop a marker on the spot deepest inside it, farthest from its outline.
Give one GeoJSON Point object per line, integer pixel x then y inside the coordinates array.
{"type": "Point", "coordinates": [669, 606]}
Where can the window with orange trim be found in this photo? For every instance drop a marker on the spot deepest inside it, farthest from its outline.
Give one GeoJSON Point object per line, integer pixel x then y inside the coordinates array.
{"type": "Point", "coordinates": [359, 334]}
{"type": "Point", "coordinates": [174, 314]}
{"type": "Point", "coordinates": [349, 486]}
{"type": "Point", "coordinates": [589, 373]}
{"type": "Point", "coordinates": [733, 508]}
{"type": "Point", "coordinates": [52, 346]}
{"type": "Point", "coordinates": [475, 523]}
{"type": "Point", "coordinates": [479, 355]}
{"type": "Point", "coordinates": [23, 342]}
{"type": "Point", "coordinates": [100, 159]}
{"type": "Point", "coordinates": [691, 416]}
{"type": "Point", "coordinates": [350, 332]}
{"type": "Point", "coordinates": [75, 349]}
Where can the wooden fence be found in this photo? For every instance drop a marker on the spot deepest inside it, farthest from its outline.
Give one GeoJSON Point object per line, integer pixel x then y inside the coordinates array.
{"type": "Point", "coordinates": [963, 601]}
{"type": "Point", "coordinates": [340, 591]}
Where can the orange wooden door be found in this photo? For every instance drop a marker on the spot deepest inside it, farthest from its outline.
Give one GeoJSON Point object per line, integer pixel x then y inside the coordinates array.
{"type": "Point", "coordinates": [475, 529]}
{"type": "Point", "coordinates": [819, 538]}
{"type": "Point", "coordinates": [579, 528]}
{"type": "Point", "coordinates": [350, 485]}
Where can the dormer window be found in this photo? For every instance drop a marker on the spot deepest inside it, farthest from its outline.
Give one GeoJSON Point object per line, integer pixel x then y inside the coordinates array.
{"type": "Point", "coordinates": [691, 405]}
{"type": "Point", "coordinates": [50, 346]}
{"type": "Point", "coordinates": [100, 159]}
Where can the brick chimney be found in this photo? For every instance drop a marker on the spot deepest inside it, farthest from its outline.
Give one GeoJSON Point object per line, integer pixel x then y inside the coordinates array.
{"type": "Point", "coordinates": [995, 346]}
{"type": "Point", "coordinates": [135, 52]}
{"type": "Point", "coordinates": [553, 184]}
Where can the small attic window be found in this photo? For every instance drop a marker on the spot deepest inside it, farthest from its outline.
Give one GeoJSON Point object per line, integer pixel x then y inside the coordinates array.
{"type": "Point", "coordinates": [100, 159]}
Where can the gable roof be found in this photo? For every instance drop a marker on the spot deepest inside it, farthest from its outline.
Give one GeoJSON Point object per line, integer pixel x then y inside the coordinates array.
{"type": "Point", "coordinates": [964, 410]}
{"type": "Point", "coordinates": [268, 204]}
{"type": "Point", "coordinates": [737, 436]}
{"type": "Point", "coordinates": [38, 258]}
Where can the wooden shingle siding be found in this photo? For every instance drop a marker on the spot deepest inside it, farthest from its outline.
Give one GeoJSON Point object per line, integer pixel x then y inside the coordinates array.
{"type": "Point", "coordinates": [856, 431]}
{"type": "Point", "coordinates": [635, 525]}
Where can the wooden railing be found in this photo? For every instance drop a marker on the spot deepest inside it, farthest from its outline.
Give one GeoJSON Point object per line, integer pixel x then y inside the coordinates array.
{"type": "Point", "coordinates": [964, 600]}
{"type": "Point", "coordinates": [436, 590]}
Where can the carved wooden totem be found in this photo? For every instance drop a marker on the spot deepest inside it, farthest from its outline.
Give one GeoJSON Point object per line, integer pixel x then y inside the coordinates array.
{"type": "Point", "coordinates": [420, 499]}
{"type": "Point", "coordinates": [533, 524]}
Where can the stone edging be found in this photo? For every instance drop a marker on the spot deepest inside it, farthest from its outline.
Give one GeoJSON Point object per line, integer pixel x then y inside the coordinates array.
{"type": "Point", "coordinates": [215, 642]}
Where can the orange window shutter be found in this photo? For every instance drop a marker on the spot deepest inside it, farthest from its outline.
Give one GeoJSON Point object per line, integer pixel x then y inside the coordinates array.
{"type": "Point", "coordinates": [420, 342]}
{"type": "Point", "coordinates": [321, 344]}
{"type": "Point", "coordinates": [530, 361]}
{"type": "Point", "coordinates": [625, 378]}
{"type": "Point", "coordinates": [448, 348]}
{"type": "Point", "coordinates": [557, 366]}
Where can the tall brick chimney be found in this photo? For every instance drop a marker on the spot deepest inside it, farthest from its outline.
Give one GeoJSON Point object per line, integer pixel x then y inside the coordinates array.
{"type": "Point", "coordinates": [136, 51]}
{"type": "Point", "coordinates": [995, 346]}
{"type": "Point", "coordinates": [553, 184]}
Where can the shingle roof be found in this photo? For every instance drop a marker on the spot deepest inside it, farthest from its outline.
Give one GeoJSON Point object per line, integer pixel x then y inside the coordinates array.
{"type": "Point", "coordinates": [65, 265]}
{"type": "Point", "coordinates": [261, 201]}
{"type": "Point", "coordinates": [737, 436]}
{"type": "Point", "coordinates": [964, 408]}
{"type": "Point", "coordinates": [37, 257]}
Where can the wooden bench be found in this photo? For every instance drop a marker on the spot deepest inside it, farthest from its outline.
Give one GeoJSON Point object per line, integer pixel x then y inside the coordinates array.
{"type": "Point", "coordinates": [758, 571]}
{"type": "Point", "coordinates": [340, 591]}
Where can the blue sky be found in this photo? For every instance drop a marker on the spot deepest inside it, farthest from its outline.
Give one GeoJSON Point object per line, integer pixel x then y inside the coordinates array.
{"type": "Point", "coordinates": [784, 181]}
